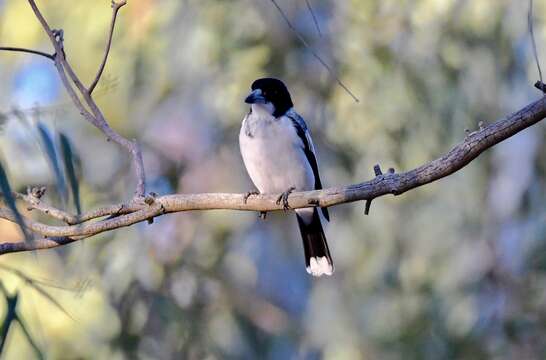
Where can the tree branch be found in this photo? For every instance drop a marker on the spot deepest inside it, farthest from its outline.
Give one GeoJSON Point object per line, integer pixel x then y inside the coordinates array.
{"type": "Point", "coordinates": [313, 52]}
{"type": "Point", "coordinates": [315, 21]}
{"type": "Point", "coordinates": [115, 8]}
{"type": "Point", "coordinates": [151, 206]}
{"type": "Point", "coordinates": [92, 113]}
{"type": "Point", "coordinates": [37, 244]}
{"type": "Point", "coordinates": [33, 201]}
{"type": "Point", "coordinates": [28, 51]}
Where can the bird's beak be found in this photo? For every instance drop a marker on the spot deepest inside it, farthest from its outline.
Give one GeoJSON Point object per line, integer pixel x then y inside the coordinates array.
{"type": "Point", "coordinates": [255, 97]}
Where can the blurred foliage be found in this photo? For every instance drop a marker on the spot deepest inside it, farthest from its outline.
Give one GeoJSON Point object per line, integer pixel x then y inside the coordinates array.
{"type": "Point", "coordinates": [456, 269]}
{"type": "Point", "coordinates": [9, 201]}
{"type": "Point", "coordinates": [50, 151]}
{"type": "Point", "coordinates": [69, 160]}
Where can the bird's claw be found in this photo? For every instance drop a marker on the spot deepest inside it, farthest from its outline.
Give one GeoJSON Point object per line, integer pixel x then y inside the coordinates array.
{"type": "Point", "coordinates": [284, 198]}
{"type": "Point", "coordinates": [249, 194]}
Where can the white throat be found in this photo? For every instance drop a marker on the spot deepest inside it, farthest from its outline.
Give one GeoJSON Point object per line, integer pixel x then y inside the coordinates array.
{"type": "Point", "coordinates": [266, 109]}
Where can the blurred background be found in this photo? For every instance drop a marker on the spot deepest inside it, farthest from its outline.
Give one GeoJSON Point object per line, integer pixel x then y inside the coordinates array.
{"type": "Point", "coordinates": [455, 269]}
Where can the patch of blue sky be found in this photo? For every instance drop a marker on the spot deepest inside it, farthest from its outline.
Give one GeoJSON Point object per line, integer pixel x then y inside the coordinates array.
{"type": "Point", "coordinates": [36, 83]}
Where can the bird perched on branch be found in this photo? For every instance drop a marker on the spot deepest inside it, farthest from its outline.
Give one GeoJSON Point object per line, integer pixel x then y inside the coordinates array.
{"type": "Point", "coordinates": [280, 157]}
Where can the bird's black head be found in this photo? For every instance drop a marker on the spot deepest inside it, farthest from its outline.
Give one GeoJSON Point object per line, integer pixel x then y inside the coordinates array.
{"type": "Point", "coordinates": [272, 93]}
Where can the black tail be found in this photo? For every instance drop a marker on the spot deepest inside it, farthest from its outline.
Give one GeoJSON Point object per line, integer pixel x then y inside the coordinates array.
{"type": "Point", "coordinates": [318, 260]}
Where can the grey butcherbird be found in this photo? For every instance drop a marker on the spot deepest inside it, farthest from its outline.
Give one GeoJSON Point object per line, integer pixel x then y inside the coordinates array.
{"type": "Point", "coordinates": [279, 156]}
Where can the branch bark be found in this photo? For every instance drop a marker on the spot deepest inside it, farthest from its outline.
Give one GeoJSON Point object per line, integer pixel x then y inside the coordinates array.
{"type": "Point", "coordinates": [147, 208]}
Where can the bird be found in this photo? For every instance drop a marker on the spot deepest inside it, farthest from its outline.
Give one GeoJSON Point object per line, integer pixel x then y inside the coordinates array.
{"type": "Point", "coordinates": [279, 156]}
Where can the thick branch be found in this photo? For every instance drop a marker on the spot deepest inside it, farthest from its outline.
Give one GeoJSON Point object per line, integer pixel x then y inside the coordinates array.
{"type": "Point", "coordinates": [390, 183]}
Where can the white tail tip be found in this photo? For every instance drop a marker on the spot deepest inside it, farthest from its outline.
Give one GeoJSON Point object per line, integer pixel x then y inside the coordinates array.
{"type": "Point", "coordinates": [319, 266]}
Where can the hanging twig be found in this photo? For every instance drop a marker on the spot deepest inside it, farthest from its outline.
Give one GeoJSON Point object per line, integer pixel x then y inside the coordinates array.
{"type": "Point", "coordinates": [317, 56]}
{"type": "Point", "coordinates": [533, 41]}
{"type": "Point", "coordinates": [315, 21]}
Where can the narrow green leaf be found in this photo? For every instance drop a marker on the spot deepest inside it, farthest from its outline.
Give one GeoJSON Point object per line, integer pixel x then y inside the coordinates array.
{"type": "Point", "coordinates": [11, 315]}
{"type": "Point", "coordinates": [10, 202]}
{"type": "Point", "coordinates": [68, 160]}
{"type": "Point", "coordinates": [49, 148]}
{"type": "Point", "coordinates": [30, 339]}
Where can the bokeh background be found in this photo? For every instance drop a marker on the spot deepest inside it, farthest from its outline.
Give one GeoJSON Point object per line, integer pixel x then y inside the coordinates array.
{"type": "Point", "coordinates": [455, 269]}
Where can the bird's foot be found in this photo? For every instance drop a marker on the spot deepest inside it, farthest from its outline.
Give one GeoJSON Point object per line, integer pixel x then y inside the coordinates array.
{"type": "Point", "coordinates": [249, 194]}
{"type": "Point", "coordinates": [284, 198]}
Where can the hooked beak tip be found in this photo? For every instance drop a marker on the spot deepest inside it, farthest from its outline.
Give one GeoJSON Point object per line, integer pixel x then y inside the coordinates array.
{"type": "Point", "coordinates": [255, 97]}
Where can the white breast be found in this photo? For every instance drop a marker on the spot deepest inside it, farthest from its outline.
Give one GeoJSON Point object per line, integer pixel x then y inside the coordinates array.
{"type": "Point", "coordinates": [273, 154]}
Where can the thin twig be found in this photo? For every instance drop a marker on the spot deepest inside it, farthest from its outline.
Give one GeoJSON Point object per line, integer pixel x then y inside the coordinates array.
{"type": "Point", "coordinates": [29, 51]}
{"type": "Point", "coordinates": [310, 8]}
{"type": "Point", "coordinates": [532, 33]}
{"type": "Point", "coordinates": [93, 114]}
{"type": "Point", "coordinates": [317, 56]}
{"type": "Point", "coordinates": [388, 183]}
{"type": "Point", "coordinates": [43, 22]}
{"type": "Point", "coordinates": [115, 8]}
{"type": "Point", "coordinates": [73, 95]}
{"type": "Point", "coordinates": [38, 244]}
{"type": "Point", "coordinates": [61, 63]}
{"type": "Point", "coordinates": [34, 203]}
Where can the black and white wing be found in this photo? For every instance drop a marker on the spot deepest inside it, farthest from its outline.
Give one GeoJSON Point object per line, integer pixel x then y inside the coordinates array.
{"type": "Point", "coordinates": [308, 148]}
